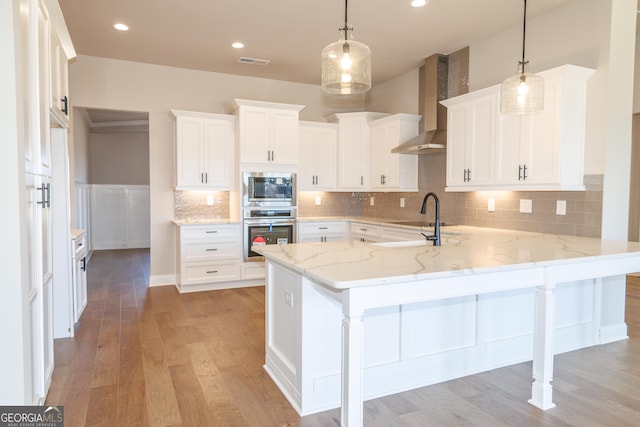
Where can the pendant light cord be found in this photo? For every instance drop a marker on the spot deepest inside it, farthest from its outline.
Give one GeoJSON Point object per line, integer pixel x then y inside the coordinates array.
{"type": "Point", "coordinates": [346, 28]}
{"type": "Point", "coordinates": [524, 31]}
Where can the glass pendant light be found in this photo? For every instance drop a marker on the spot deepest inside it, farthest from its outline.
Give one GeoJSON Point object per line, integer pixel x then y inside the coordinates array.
{"type": "Point", "coordinates": [523, 92]}
{"type": "Point", "coordinates": [346, 64]}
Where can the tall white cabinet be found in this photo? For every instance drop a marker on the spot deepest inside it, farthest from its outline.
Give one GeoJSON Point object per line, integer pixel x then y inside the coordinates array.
{"type": "Point", "coordinates": [28, 29]}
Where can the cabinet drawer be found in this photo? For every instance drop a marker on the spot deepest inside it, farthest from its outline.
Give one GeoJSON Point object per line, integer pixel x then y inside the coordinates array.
{"type": "Point", "coordinates": [210, 250]}
{"type": "Point", "coordinates": [365, 230]}
{"type": "Point", "coordinates": [207, 272]}
{"type": "Point", "coordinates": [322, 227]}
{"type": "Point", "coordinates": [196, 232]}
{"type": "Point", "coordinates": [80, 245]}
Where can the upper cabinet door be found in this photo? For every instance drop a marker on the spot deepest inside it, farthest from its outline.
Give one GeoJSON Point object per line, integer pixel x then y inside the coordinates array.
{"type": "Point", "coordinates": [317, 156]}
{"type": "Point", "coordinates": [59, 80]}
{"type": "Point", "coordinates": [392, 171]}
{"type": "Point", "coordinates": [354, 149]}
{"type": "Point", "coordinates": [471, 134]}
{"type": "Point", "coordinates": [204, 147]}
{"type": "Point", "coordinates": [268, 133]}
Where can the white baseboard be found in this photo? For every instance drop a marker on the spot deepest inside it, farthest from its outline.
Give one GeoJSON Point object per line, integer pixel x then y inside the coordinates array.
{"type": "Point", "coordinates": [611, 333]}
{"type": "Point", "coordinates": [162, 280]}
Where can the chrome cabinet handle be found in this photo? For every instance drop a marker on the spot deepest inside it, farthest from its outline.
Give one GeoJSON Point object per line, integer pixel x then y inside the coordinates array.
{"type": "Point", "coordinates": [212, 271]}
{"type": "Point", "coordinates": [211, 249]}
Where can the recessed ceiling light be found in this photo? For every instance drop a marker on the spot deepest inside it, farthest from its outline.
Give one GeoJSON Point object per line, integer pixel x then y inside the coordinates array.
{"type": "Point", "coordinates": [237, 45]}
{"type": "Point", "coordinates": [418, 3]}
{"type": "Point", "coordinates": [120, 26]}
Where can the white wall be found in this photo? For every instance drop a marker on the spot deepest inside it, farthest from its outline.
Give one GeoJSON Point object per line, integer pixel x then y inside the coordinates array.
{"type": "Point", "coordinates": [120, 158]}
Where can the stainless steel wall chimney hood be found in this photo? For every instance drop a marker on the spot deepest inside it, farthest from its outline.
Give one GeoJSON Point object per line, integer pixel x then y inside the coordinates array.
{"type": "Point", "coordinates": [432, 89]}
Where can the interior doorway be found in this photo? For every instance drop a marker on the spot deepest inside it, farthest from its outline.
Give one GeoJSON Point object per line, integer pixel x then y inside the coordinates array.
{"type": "Point", "coordinates": [110, 175]}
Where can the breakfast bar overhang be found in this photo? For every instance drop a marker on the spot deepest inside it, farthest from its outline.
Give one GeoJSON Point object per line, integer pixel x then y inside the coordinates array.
{"type": "Point", "coordinates": [360, 277]}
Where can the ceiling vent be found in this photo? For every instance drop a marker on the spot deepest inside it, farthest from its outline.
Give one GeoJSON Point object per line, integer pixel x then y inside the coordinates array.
{"type": "Point", "coordinates": [254, 61]}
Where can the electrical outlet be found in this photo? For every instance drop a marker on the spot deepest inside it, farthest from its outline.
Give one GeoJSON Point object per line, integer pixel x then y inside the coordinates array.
{"type": "Point", "coordinates": [371, 202]}
{"type": "Point", "coordinates": [491, 205]}
{"type": "Point", "coordinates": [209, 200]}
{"type": "Point", "coordinates": [526, 206]}
{"type": "Point", "coordinates": [561, 207]}
{"type": "Point", "coordinates": [402, 202]}
{"type": "Point", "coordinates": [288, 298]}
{"type": "Point", "coordinates": [318, 200]}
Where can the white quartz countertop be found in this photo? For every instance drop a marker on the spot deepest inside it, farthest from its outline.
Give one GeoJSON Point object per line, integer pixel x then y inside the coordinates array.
{"type": "Point", "coordinates": [465, 250]}
{"type": "Point", "coordinates": [204, 221]}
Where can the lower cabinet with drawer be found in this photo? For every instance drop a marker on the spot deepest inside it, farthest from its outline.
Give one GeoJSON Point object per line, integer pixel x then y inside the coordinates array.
{"type": "Point", "coordinates": [365, 232]}
{"type": "Point", "coordinates": [210, 257]}
{"type": "Point", "coordinates": [322, 231]}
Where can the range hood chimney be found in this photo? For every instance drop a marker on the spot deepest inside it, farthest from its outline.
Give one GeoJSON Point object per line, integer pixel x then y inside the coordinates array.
{"type": "Point", "coordinates": [432, 89]}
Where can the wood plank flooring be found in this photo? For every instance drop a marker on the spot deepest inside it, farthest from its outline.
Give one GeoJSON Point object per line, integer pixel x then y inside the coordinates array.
{"type": "Point", "coordinates": [153, 357]}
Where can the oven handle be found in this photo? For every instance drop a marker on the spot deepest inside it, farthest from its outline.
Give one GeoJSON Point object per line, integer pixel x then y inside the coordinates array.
{"type": "Point", "coordinates": [270, 221]}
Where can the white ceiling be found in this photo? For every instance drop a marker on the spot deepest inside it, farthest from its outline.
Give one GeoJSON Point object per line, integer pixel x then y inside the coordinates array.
{"type": "Point", "coordinates": [197, 34]}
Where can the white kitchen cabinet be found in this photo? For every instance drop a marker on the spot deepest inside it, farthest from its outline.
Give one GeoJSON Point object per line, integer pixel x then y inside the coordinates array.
{"type": "Point", "coordinates": [79, 247]}
{"type": "Point", "coordinates": [204, 150]}
{"type": "Point", "coordinates": [268, 132]}
{"type": "Point", "coordinates": [318, 156]}
{"type": "Point", "coordinates": [44, 153]}
{"type": "Point", "coordinates": [471, 135]}
{"type": "Point", "coordinates": [208, 254]}
{"type": "Point", "coordinates": [365, 232]}
{"type": "Point", "coordinates": [354, 147]}
{"type": "Point", "coordinates": [326, 231]}
{"type": "Point", "coordinates": [59, 79]}
{"type": "Point", "coordinates": [392, 171]}
{"type": "Point", "coordinates": [545, 151]}
{"type": "Point", "coordinates": [31, 359]}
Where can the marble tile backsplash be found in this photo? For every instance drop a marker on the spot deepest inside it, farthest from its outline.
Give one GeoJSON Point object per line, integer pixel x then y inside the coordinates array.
{"type": "Point", "coordinates": [193, 205]}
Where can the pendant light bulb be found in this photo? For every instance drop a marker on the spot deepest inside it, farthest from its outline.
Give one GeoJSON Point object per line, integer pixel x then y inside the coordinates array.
{"type": "Point", "coordinates": [523, 92]}
{"type": "Point", "coordinates": [345, 61]}
{"type": "Point", "coordinates": [346, 64]}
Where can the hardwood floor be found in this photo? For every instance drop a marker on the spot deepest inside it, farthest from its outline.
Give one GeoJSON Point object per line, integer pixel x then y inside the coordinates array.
{"type": "Point", "coordinates": [153, 357]}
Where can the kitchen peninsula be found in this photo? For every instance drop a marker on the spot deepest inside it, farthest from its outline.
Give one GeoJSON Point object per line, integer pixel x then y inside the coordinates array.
{"type": "Point", "coordinates": [379, 318]}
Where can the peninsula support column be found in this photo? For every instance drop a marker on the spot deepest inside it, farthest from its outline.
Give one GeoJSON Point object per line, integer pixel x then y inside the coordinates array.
{"type": "Point", "coordinates": [543, 336]}
{"type": "Point", "coordinates": [352, 363]}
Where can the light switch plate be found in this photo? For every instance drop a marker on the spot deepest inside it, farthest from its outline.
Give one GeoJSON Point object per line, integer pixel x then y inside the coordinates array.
{"type": "Point", "coordinates": [402, 202]}
{"type": "Point", "coordinates": [318, 200]}
{"type": "Point", "coordinates": [209, 200]}
{"type": "Point", "coordinates": [491, 205]}
{"type": "Point", "coordinates": [561, 207]}
{"type": "Point", "coordinates": [526, 206]}
{"type": "Point", "coordinates": [371, 201]}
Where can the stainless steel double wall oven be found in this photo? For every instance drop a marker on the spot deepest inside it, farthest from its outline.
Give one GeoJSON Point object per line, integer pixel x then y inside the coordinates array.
{"type": "Point", "coordinates": [269, 205]}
